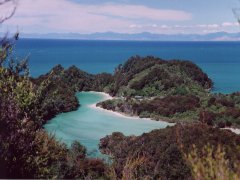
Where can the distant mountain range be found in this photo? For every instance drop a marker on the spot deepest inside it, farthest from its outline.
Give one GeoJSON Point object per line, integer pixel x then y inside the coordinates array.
{"type": "Point", "coordinates": [145, 36]}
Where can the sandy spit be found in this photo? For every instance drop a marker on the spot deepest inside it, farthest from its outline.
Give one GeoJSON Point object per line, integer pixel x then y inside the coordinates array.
{"type": "Point", "coordinates": [108, 97]}
{"type": "Point", "coordinates": [234, 130]}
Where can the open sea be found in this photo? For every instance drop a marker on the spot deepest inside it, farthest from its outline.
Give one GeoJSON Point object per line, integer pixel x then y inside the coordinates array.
{"type": "Point", "coordinates": [220, 60]}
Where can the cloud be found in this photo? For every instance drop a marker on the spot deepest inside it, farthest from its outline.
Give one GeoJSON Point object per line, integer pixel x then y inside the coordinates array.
{"type": "Point", "coordinates": [213, 26]}
{"type": "Point", "coordinates": [7, 9]}
{"type": "Point", "coordinates": [188, 29]}
{"type": "Point", "coordinates": [139, 12]}
{"type": "Point", "coordinates": [63, 16]}
{"type": "Point", "coordinates": [229, 24]}
{"type": "Point", "coordinates": [138, 26]}
{"type": "Point", "coordinates": [44, 16]}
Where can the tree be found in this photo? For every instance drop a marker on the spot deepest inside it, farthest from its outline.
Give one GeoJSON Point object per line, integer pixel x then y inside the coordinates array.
{"type": "Point", "coordinates": [13, 4]}
{"type": "Point", "coordinates": [26, 150]}
{"type": "Point", "coordinates": [236, 13]}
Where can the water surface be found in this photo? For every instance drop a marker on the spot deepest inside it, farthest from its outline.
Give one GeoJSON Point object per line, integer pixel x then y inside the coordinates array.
{"type": "Point", "coordinates": [88, 125]}
{"type": "Point", "coordinates": [220, 60]}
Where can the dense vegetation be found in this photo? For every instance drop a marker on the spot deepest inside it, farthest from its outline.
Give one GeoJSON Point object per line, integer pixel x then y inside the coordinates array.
{"type": "Point", "coordinates": [148, 87]}
{"type": "Point", "coordinates": [62, 84]}
{"type": "Point", "coordinates": [26, 150]}
{"type": "Point", "coordinates": [151, 76]}
{"type": "Point", "coordinates": [166, 153]}
{"type": "Point", "coordinates": [175, 91]}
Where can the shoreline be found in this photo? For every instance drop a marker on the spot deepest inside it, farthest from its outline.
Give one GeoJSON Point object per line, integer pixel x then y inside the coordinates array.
{"type": "Point", "coordinates": [106, 96]}
{"type": "Point", "coordinates": [234, 130]}
{"type": "Point", "coordinates": [119, 114]}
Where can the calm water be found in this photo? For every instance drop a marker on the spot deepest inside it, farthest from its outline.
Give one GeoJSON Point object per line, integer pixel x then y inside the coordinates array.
{"type": "Point", "coordinates": [221, 60]}
{"type": "Point", "coordinates": [88, 125]}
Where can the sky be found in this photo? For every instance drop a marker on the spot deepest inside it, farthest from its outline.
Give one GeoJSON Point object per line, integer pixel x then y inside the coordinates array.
{"type": "Point", "coordinates": [121, 16]}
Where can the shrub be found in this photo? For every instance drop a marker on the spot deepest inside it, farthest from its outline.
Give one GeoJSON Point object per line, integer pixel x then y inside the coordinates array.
{"type": "Point", "coordinates": [212, 164]}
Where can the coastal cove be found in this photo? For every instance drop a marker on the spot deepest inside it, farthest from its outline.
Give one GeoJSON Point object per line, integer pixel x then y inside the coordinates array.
{"type": "Point", "coordinates": [89, 123]}
{"type": "Point", "coordinates": [120, 90]}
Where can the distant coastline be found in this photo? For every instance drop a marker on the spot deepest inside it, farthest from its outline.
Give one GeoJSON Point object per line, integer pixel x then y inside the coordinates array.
{"type": "Point", "coordinates": [144, 36]}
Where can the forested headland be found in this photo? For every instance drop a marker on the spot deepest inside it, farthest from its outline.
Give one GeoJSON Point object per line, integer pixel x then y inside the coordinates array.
{"type": "Point", "coordinates": [175, 91]}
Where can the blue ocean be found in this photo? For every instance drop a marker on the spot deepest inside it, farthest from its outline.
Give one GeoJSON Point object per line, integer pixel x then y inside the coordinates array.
{"type": "Point", "coordinates": [220, 60]}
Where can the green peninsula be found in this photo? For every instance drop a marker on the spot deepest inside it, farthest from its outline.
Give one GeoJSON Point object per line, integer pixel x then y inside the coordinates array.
{"type": "Point", "coordinates": [149, 87]}
{"type": "Point", "coordinates": [174, 91]}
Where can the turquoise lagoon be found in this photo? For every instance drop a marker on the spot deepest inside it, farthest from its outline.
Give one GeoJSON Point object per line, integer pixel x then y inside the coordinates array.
{"type": "Point", "coordinates": [220, 60]}
{"type": "Point", "coordinates": [88, 125]}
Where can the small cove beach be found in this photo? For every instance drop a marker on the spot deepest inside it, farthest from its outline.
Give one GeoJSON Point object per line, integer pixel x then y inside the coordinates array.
{"type": "Point", "coordinates": [89, 123]}
{"type": "Point", "coordinates": [118, 114]}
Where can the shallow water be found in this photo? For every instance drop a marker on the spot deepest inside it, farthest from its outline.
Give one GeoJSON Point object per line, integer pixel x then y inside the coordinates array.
{"type": "Point", "coordinates": [88, 125]}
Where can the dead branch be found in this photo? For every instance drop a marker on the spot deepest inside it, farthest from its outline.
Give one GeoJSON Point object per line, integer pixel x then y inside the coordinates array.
{"type": "Point", "coordinates": [13, 11]}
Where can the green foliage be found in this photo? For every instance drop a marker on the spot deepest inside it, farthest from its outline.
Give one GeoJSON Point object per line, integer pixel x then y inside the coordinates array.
{"type": "Point", "coordinates": [161, 84]}
{"type": "Point", "coordinates": [180, 90]}
{"type": "Point", "coordinates": [17, 128]}
{"type": "Point", "coordinates": [212, 164]}
{"type": "Point", "coordinates": [26, 151]}
{"type": "Point", "coordinates": [78, 150]}
{"type": "Point", "coordinates": [166, 150]}
{"type": "Point", "coordinates": [150, 76]}
{"type": "Point", "coordinates": [49, 158]}
{"type": "Point", "coordinates": [224, 109]}
{"type": "Point", "coordinates": [176, 108]}
{"type": "Point", "coordinates": [24, 94]}
{"type": "Point", "coordinates": [58, 88]}
{"type": "Point", "coordinates": [165, 88]}
{"type": "Point", "coordinates": [169, 89]}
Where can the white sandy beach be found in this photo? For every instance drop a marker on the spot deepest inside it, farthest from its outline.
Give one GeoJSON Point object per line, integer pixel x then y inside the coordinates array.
{"type": "Point", "coordinates": [108, 97]}
{"type": "Point", "coordinates": [235, 130]}
{"type": "Point", "coordinates": [105, 95]}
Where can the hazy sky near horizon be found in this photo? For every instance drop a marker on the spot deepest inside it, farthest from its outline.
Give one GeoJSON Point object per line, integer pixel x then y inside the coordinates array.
{"type": "Point", "coordinates": [123, 16]}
